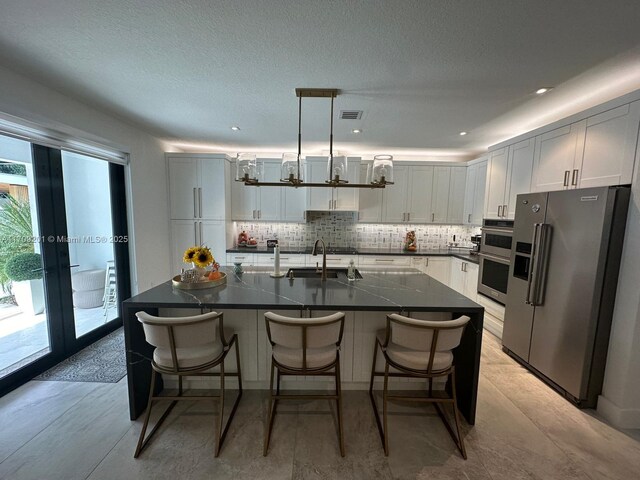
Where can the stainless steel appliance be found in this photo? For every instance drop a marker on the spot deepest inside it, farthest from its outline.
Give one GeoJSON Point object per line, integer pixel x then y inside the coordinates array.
{"type": "Point", "coordinates": [497, 237]}
{"type": "Point", "coordinates": [495, 257]}
{"type": "Point", "coordinates": [562, 284]}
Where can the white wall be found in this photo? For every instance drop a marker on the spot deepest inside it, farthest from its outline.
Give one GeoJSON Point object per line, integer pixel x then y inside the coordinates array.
{"type": "Point", "coordinates": [620, 399]}
{"type": "Point", "coordinates": [146, 176]}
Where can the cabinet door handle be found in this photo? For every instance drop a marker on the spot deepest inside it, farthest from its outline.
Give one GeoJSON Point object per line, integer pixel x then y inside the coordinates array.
{"type": "Point", "coordinates": [408, 216]}
{"type": "Point", "coordinates": [199, 202]}
{"type": "Point", "coordinates": [195, 232]}
{"type": "Point", "coordinates": [499, 210]}
{"type": "Point", "coordinates": [239, 258]}
{"type": "Point", "coordinates": [201, 242]}
{"type": "Point", "coordinates": [574, 177]}
{"type": "Point", "coordinates": [329, 204]}
{"type": "Point", "coordinates": [433, 217]}
{"type": "Point", "coordinates": [427, 262]}
{"type": "Point", "coordinates": [469, 220]}
{"type": "Point", "coordinates": [259, 214]}
{"type": "Point", "coordinates": [335, 204]}
{"type": "Point", "coordinates": [504, 211]}
{"type": "Point", "coordinates": [404, 217]}
{"type": "Point", "coordinates": [195, 204]}
{"type": "Point", "coordinates": [566, 178]}
{"type": "Point", "coordinates": [384, 259]}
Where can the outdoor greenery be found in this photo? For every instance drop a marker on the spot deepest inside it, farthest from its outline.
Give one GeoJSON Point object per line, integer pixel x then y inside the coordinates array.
{"type": "Point", "coordinates": [13, 169]}
{"type": "Point", "coordinates": [15, 234]}
{"type": "Point", "coordinates": [24, 266]}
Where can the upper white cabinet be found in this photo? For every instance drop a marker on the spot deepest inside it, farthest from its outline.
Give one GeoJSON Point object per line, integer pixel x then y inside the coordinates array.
{"type": "Point", "coordinates": [457, 184]}
{"type": "Point", "coordinates": [197, 187]}
{"type": "Point", "coordinates": [555, 154]}
{"type": "Point", "coordinates": [370, 204]}
{"type": "Point", "coordinates": [596, 151]}
{"type": "Point", "coordinates": [474, 193]}
{"type": "Point", "coordinates": [267, 203]}
{"type": "Point", "coordinates": [509, 174]}
{"type": "Point", "coordinates": [424, 194]}
{"type": "Point", "coordinates": [333, 199]}
{"type": "Point", "coordinates": [610, 140]}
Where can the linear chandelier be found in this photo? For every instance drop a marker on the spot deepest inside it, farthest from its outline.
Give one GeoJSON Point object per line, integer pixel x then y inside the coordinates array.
{"type": "Point", "coordinates": [379, 174]}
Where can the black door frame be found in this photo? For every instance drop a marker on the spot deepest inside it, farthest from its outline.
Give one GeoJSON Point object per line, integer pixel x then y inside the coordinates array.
{"type": "Point", "coordinates": [49, 192]}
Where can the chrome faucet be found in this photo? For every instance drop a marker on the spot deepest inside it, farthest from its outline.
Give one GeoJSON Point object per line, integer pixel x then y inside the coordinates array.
{"type": "Point", "coordinates": [314, 252]}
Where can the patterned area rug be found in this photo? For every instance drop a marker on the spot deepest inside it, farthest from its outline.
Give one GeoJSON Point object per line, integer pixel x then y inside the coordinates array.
{"type": "Point", "coordinates": [103, 362]}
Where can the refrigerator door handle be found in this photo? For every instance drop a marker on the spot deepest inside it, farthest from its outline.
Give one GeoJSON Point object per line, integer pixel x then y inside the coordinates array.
{"type": "Point", "coordinates": [566, 178]}
{"type": "Point", "coordinates": [540, 264]}
{"type": "Point", "coordinates": [532, 268]}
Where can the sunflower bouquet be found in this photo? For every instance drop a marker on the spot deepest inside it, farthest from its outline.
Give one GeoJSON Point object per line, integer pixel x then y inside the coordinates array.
{"type": "Point", "coordinates": [199, 256]}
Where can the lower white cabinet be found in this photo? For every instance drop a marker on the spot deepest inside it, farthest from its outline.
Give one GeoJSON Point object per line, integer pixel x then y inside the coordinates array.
{"type": "Point", "coordinates": [187, 233]}
{"type": "Point", "coordinates": [464, 278]}
{"type": "Point", "coordinates": [286, 260]}
{"type": "Point", "coordinates": [438, 268]}
{"type": "Point", "coordinates": [247, 259]}
{"type": "Point", "coordinates": [385, 261]}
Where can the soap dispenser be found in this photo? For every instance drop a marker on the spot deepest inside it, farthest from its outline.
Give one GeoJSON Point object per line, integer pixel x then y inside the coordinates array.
{"type": "Point", "coordinates": [351, 271]}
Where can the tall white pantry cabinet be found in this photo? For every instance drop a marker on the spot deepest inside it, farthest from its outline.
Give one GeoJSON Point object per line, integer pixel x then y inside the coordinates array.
{"type": "Point", "coordinates": [199, 199]}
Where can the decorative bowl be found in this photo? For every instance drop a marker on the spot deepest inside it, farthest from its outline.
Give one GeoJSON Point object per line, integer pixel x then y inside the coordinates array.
{"type": "Point", "coordinates": [203, 283]}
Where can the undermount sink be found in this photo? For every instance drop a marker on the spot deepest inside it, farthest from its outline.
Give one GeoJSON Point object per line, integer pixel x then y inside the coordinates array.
{"type": "Point", "coordinates": [312, 272]}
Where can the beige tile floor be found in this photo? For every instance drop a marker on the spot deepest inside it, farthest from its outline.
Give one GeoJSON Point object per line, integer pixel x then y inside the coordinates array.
{"type": "Point", "coordinates": [60, 430]}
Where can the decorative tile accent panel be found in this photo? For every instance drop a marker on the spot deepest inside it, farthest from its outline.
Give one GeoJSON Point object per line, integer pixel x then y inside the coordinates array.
{"type": "Point", "coordinates": [341, 229]}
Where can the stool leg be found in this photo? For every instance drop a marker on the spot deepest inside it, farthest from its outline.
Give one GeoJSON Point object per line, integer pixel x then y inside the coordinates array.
{"type": "Point", "coordinates": [221, 419]}
{"type": "Point", "coordinates": [267, 436]}
{"type": "Point", "coordinates": [147, 415]}
{"type": "Point", "coordinates": [339, 405]}
{"type": "Point", "coordinates": [456, 415]}
{"type": "Point", "coordinates": [385, 409]}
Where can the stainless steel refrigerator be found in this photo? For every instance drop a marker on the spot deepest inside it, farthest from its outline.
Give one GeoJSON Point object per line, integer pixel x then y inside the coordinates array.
{"type": "Point", "coordinates": [565, 259]}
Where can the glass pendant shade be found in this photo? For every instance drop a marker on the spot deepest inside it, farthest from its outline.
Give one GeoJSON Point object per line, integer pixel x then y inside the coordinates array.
{"type": "Point", "coordinates": [337, 170]}
{"type": "Point", "coordinates": [382, 170]}
{"type": "Point", "coordinates": [292, 168]}
{"type": "Point", "coordinates": [247, 168]}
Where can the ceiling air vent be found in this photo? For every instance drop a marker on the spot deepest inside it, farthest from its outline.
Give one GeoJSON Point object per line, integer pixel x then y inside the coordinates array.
{"type": "Point", "coordinates": [350, 114]}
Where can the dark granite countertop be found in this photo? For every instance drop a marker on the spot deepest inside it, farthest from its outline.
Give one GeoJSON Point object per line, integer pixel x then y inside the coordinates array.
{"type": "Point", "coordinates": [399, 290]}
{"type": "Point", "coordinates": [428, 252]}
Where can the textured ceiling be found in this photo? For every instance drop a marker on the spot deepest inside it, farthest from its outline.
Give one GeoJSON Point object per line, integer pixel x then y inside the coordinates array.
{"type": "Point", "coordinates": [421, 71]}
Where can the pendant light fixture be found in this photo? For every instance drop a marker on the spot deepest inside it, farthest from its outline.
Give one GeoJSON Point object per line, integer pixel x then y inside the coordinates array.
{"type": "Point", "coordinates": [292, 170]}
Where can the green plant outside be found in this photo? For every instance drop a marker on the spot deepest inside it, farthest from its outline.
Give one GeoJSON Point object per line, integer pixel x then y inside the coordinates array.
{"type": "Point", "coordinates": [15, 234]}
{"type": "Point", "coordinates": [24, 266]}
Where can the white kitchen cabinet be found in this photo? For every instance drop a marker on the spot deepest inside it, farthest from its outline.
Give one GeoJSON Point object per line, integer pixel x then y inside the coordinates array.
{"type": "Point", "coordinates": [395, 196]}
{"type": "Point", "coordinates": [286, 259]}
{"type": "Point", "coordinates": [197, 187]}
{"type": "Point", "coordinates": [420, 198]}
{"type": "Point", "coordinates": [509, 174]}
{"type": "Point", "coordinates": [455, 209]}
{"type": "Point", "coordinates": [609, 148]}
{"type": "Point", "coordinates": [474, 193]}
{"type": "Point", "coordinates": [555, 155]}
{"type": "Point", "coordinates": [464, 278]}
{"type": "Point", "coordinates": [440, 194]}
{"type": "Point", "coordinates": [188, 233]}
{"type": "Point", "coordinates": [267, 203]}
{"type": "Point", "coordinates": [331, 199]}
{"type": "Point", "coordinates": [596, 151]}
{"type": "Point", "coordinates": [370, 204]}
{"type": "Point", "coordinates": [438, 268]}
{"type": "Point", "coordinates": [246, 259]}
{"type": "Point", "coordinates": [496, 182]}
{"type": "Point", "coordinates": [385, 260]}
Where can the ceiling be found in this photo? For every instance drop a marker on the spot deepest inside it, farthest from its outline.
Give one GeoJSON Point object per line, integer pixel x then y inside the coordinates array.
{"type": "Point", "coordinates": [421, 71]}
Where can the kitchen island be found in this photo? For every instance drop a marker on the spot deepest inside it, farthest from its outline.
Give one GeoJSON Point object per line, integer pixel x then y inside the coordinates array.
{"type": "Point", "coordinates": [367, 301]}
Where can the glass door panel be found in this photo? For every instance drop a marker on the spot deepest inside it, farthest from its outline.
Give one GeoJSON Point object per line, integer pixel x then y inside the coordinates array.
{"type": "Point", "coordinates": [90, 239]}
{"type": "Point", "coordinates": [24, 325]}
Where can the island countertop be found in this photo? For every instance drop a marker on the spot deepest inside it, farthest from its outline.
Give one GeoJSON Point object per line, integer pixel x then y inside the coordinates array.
{"type": "Point", "coordinates": [397, 290]}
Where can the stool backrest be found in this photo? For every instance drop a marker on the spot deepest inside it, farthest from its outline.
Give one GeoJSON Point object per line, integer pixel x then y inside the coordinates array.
{"type": "Point", "coordinates": [304, 333]}
{"type": "Point", "coordinates": [425, 335]}
{"type": "Point", "coordinates": [173, 333]}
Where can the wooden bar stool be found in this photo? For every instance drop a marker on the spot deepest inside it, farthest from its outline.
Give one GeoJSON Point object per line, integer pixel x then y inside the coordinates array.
{"type": "Point", "coordinates": [421, 349]}
{"type": "Point", "coordinates": [189, 346]}
{"type": "Point", "coordinates": [304, 346]}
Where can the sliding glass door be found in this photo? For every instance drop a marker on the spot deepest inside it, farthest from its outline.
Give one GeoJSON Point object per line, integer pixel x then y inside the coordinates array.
{"type": "Point", "coordinates": [64, 241]}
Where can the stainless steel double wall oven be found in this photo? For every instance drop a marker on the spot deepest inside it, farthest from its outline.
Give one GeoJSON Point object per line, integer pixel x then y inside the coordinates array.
{"type": "Point", "coordinates": [495, 258]}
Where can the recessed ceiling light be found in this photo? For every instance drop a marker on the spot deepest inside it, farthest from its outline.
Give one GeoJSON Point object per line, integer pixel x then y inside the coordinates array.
{"type": "Point", "coordinates": [235, 129]}
{"type": "Point", "coordinates": [356, 130]}
{"type": "Point", "coordinates": [540, 91]}
{"type": "Point", "coordinates": [463, 133]}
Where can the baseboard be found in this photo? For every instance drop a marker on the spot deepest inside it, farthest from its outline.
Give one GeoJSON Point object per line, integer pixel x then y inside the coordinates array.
{"type": "Point", "coordinates": [618, 417]}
